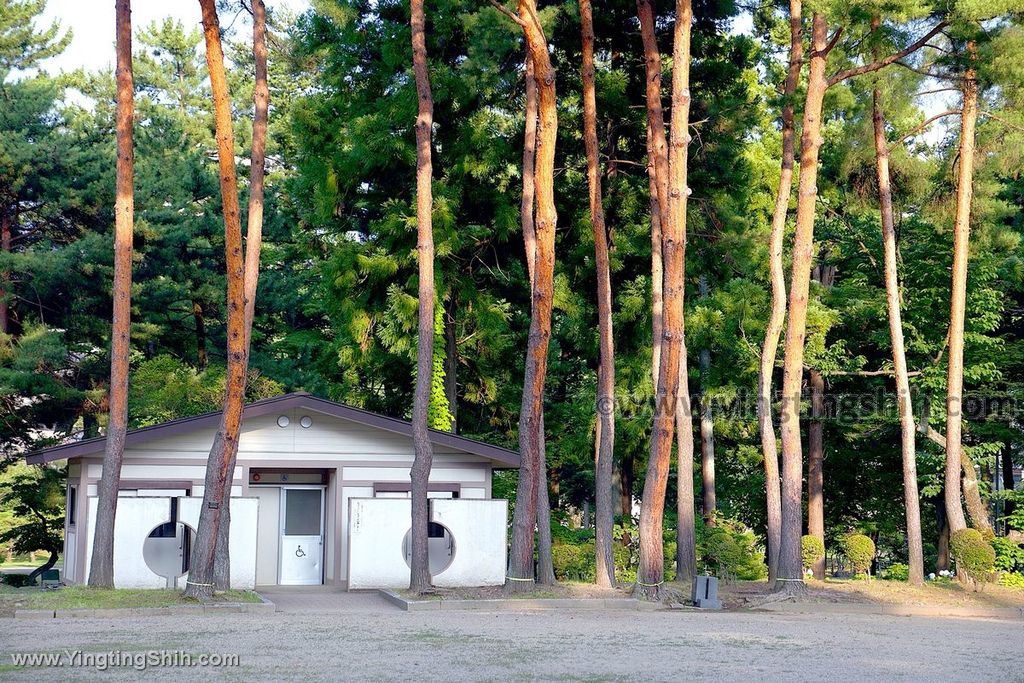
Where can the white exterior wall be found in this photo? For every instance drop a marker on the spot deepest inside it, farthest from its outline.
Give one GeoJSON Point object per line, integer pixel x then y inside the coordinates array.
{"type": "Point", "coordinates": [137, 517]}
{"type": "Point", "coordinates": [379, 525]}
{"type": "Point", "coordinates": [355, 456]}
{"type": "Point", "coordinates": [242, 536]}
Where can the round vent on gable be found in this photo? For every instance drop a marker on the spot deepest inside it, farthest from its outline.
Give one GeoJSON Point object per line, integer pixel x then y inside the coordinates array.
{"type": "Point", "coordinates": [283, 421]}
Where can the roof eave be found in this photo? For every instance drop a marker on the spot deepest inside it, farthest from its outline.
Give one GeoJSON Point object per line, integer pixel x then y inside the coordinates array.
{"type": "Point", "coordinates": [503, 457]}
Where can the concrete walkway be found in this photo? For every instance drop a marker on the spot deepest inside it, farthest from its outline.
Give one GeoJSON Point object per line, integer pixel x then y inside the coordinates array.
{"type": "Point", "coordinates": [324, 599]}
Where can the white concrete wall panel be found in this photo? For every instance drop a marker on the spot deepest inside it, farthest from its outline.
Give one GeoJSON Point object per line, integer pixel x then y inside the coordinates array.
{"type": "Point", "coordinates": [136, 518]}
{"type": "Point", "coordinates": [377, 527]}
{"type": "Point", "coordinates": [244, 516]}
{"type": "Point", "coordinates": [478, 527]}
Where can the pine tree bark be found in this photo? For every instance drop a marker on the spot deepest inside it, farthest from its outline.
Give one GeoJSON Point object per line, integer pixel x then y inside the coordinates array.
{"type": "Point", "coordinates": [958, 299]}
{"type": "Point", "coordinates": [606, 370]}
{"type": "Point", "coordinates": [942, 547]}
{"type": "Point", "coordinates": [770, 347]}
{"type": "Point", "coordinates": [626, 479]}
{"type": "Point", "coordinates": [657, 267]}
{"type": "Point", "coordinates": [545, 561]}
{"type": "Point", "coordinates": [665, 351]}
{"type": "Point", "coordinates": [977, 512]}
{"type": "Point", "coordinates": [527, 204]}
{"type": "Point", "coordinates": [679, 191]}
{"type": "Point", "coordinates": [911, 497]}
{"type": "Point", "coordinates": [789, 576]}
{"type": "Point", "coordinates": [672, 409]}
{"type": "Point", "coordinates": [656, 139]}
{"type": "Point", "coordinates": [531, 419]}
{"type": "Point", "coordinates": [420, 473]}
{"type": "Point", "coordinates": [220, 466]}
{"type": "Point", "coordinates": [253, 244]}
{"type": "Point", "coordinates": [815, 465]}
{"type": "Point", "coordinates": [101, 571]}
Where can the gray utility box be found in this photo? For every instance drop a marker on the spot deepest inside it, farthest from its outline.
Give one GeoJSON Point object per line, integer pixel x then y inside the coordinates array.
{"type": "Point", "coordinates": [705, 592]}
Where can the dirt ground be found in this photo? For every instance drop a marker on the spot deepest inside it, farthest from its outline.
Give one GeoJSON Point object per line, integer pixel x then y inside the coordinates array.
{"type": "Point", "coordinates": [934, 593]}
{"type": "Point", "coordinates": [387, 644]}
{"type": "Point", "coordinates": [562, 590]}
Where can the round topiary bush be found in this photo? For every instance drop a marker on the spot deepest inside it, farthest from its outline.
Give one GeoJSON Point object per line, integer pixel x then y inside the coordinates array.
{"type": "Point", "coordinates": [721, 554]}
{"type": "Point", "coordinates": [573, 561]}
{"type": "Point", "coordinates": [974, 556]}
{"type": "Point", "coordinates": [860, 551]}
{"type": "Point", "coordinates": [812, 549]}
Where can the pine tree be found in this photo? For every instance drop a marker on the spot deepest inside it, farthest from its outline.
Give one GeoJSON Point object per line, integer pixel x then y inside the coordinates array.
{"type": "Point", "coordinates": [605, 568]}
{"type": "Point", "coordinates": [220, 466]}
{"type": "Point", "coordinates": [101, 566]}
{"type": "Point", "coordinates": [420, 473]}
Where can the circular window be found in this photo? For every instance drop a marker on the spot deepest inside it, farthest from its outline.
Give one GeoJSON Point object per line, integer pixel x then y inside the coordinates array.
{"type": "Point", "coordinates": [167, 549]}
{"type": "Point", "coordinates": [440, 547]}
{"type": "Point", "coordinates": [283, 421]}
{"type": "Point", "coordinates": [306, 422]}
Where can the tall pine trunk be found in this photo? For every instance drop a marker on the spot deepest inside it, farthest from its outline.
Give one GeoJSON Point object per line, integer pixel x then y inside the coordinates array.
{"type": "Point", "coordinates": [101, 571]}
{"type": "Point", "coordinates": [657, 267]}
{"type": "Point", "coordinates": [789, 571]}
{"type": "Point", "coordinates": [220, 466]}
{"type": "Point", "coordinates": [671, 399]}
{"type": "Point", "coordinates": [911, 497]}
{"type": "Point", "coordinates": [650, 572]}
{"type": "Point", "coordinates": [679, 191]}
{"type": "Point", "coordinates": [253, 243]}
{"type": "Point", "coordinates": [606, 370]}
{"type": "Point", "coordinates": [531, 418]}
{"type": "Point", "coordinates": [770, 347]}
{"type": "Point", "coordinates": [958, 298]}
{"type": "Point", "coordinates": [527, 204]}
{"type": "Point", "coordinates": [815, 467]}
{"type": "Point", "coordinates": [545, 561]}
{"type": "Point", "coordinates": [420, 473]}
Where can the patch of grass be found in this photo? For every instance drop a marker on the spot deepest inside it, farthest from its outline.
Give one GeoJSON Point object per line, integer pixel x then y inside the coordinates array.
{"type": "Point", "coordinates": [83, 597]}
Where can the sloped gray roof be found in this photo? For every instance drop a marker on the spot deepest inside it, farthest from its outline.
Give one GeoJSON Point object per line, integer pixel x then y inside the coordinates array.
{"type": "Point", "coordinates": [77, 449]}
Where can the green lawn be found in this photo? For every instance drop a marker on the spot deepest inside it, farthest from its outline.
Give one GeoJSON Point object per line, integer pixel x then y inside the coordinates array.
{"type": "Point", "coordinates": [77, 597]}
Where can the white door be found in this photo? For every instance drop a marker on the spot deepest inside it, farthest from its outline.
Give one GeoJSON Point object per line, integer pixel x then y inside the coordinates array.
{"type": "Point", "coordinates": [302, 536]}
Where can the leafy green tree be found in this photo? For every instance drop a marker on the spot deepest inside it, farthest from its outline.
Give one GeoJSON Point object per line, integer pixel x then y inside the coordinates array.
{"type": "Point", "coordinates": [36, 498]}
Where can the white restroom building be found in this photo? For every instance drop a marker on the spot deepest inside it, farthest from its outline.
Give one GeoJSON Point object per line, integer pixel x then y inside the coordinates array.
{"type": "Point", "coordinates": [303, 464]}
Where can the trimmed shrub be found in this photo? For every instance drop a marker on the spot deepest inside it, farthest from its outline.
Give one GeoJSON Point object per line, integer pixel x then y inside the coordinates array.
{"type": "Point", "coordinates": [974, 556]}
{"type": "Point", "coordinates": [17, 580]}
{"type": "Point", "coordinates": [729, 551]}
{"type": "Point", "coordinates": [896, 572]}
{"type": "Point", "coordinates": [812, 549]}
{"type": "Point", "coordinates": [722, 554]}
{"type": "Point", "coordinates": [574, 561]}
{"type": "Point", "coordinates": [859, 551]}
